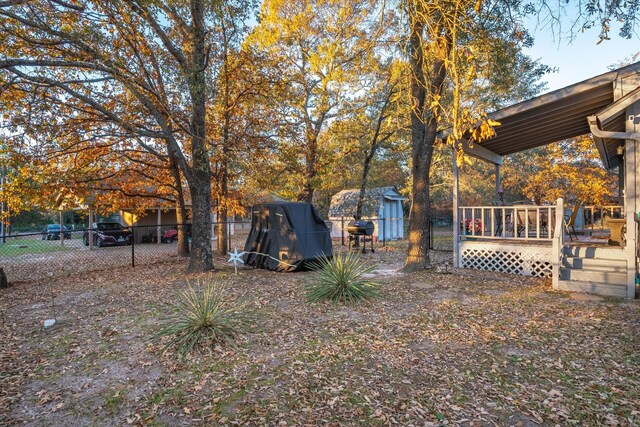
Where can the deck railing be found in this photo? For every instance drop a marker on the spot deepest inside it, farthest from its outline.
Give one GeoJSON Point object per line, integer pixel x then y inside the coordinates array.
{"type": "Point", "coordinates": [522, 222]}
{"type": "Point", "coordinates": [595, 217]}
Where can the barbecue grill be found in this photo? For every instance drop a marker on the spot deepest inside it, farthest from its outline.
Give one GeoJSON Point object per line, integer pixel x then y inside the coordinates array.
{"type": "Point", "coordinates": [361, 231]}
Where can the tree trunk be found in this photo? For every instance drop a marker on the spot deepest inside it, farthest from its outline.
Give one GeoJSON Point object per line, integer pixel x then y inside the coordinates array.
{"type": "Point", "coordinates": [222, 230]}
{"type": "Point", "coordinates": [422, 138]}
{"type": "Point", "coordinates": [200, 177]}
{"type": "Point", "coordinates": [181, 210]}
{"type": "Point", "coordinates": [3, 279]}
{"type": "Point", "coordinates": [311, 157]}
{"type": "Point", "coordinates": [424, 127]}
{"type": "Point", "coordinates": [223, 174]}
{"type": "Point", "coordinates": [183, 235]}
{"type": "Point", "coordinates": [201, 258]}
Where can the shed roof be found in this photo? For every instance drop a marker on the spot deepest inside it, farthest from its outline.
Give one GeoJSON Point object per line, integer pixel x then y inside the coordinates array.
{"type": "Point", "coordinates": [344, 203]}
{"type": "Point", "coordinates": [559, 115]}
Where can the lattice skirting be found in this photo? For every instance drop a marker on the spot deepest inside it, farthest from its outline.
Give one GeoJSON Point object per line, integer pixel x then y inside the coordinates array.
{"type": "Point", "coordinates": [526, 262]}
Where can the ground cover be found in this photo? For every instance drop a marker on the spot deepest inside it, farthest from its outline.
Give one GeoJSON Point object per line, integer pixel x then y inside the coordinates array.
{"type": "Point", "coordinates": [32, 246]}
{"type": "Point", "coordinates": [469, 348]}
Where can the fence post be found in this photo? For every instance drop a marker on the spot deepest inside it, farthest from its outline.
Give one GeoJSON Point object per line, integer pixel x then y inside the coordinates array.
{"type": "Point", "coordinates": [228, 235]}
{"type": "Point", "coordinates": [342, 229]}
{"type": "Point", "coordinates": [384, 232]}
{"type": "Point", "coordinates": [133, 246]}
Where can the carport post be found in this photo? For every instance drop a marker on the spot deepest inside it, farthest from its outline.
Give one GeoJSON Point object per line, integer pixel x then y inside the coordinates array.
{"type": "Point", "coordinates": [90, 231]}
{"type": "Point", "coordinates": [61, 228]}
{"type": "Point", "coordinates": [158, 228]}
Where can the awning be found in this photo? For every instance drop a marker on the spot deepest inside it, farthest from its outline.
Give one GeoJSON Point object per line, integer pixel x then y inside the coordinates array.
{"type": "Point", "coordinates": [556, 116]}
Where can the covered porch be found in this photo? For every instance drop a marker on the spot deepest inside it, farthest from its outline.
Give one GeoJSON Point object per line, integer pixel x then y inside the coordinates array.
{"type": "Point", "coordinates": [582, 248]}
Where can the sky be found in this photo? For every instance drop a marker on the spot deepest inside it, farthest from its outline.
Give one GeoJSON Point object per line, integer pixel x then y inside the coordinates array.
{"type": "Point", "coordinates": [581, 58]}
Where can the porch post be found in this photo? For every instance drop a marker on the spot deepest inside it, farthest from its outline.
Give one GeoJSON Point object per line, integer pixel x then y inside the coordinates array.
{"type": "Point", "coordinates": [631, 195]}
{"type": "Point", "coordinates": [557, 244]}
{"type": "Point", "coordinates": [456, 226]}
{"type": "Point", "coordinates": [498, 181]}
{"type": "Point", "coordinates": [621, 183]}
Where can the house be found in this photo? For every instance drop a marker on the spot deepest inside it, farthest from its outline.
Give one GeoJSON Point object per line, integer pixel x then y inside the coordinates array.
{"type": "Point", "coordinates": [382, 205]}
{"type": "Point", "coordinates": [532, 240]}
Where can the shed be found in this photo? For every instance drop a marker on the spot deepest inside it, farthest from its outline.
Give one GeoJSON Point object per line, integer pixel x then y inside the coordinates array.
{"type": "Point", "coordinates": [382, 205]}
{"type": "Point", "coordinates": [286, 236]}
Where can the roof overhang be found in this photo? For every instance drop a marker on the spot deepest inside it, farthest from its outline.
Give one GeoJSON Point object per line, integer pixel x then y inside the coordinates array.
{"type": "Point", "coordinates": [612, 119]}
{"type": "Point", "coordinates": [556, 116]}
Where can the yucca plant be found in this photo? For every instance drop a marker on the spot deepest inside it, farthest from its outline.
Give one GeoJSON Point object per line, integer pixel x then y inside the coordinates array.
{"type": "Point", "coordinates": [341, 279]}
{"type": "Point", "coordinates": [204, 319]}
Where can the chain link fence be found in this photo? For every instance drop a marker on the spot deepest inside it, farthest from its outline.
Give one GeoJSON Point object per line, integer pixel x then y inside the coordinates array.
{"type": "Point", "coordinates": [394, 229]}
{"type": "Point", "coordinates": [37, 256]}
{"type": "Point", "coordinates": [441, 233]}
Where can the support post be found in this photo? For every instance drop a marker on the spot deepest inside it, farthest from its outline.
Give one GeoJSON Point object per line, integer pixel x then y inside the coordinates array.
{"type": "Point", "coordinates": [621, 183]}
{"type": "Point", "coordinates": [557, 244]}
{"type": "Point", "coordinates": [631, 195]}
{"type": "Point", "coordinates": [456, 225]}
{"type": "Point", "coordinates": [61, 228]}
{"type": "Point", "coordinates": [498, 181]}
{"type": "Point", "coordinates": [158, 226]}
{"type": "Point", "coordinates": [90, 231]}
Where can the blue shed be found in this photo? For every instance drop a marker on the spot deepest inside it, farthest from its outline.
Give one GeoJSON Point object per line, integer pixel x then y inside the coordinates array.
{"type": "Point", "coordinates": [382, 205]}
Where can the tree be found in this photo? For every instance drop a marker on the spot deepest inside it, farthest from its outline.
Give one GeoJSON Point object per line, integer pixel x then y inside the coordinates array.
{"type": "Point", "coordinates": [570, 169]}
{"type": "Point", "coordinates": [141, 67]}
{"type": "Point", "coordinates": [319, 48]}
{"type": "Point", "coordinates": [452, 45]}
{"type": "Point", "coordinates": [377, 118]}
{"type": "Point", "coordinates": [233, 87]}
{"type": "Point", "coordinates": [447, 40]}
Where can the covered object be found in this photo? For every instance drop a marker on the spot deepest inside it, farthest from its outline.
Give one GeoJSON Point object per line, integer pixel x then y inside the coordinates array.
{"type": "Point", "coordinates": [286, 236]}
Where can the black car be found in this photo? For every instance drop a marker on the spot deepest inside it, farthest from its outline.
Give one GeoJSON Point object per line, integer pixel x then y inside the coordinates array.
{"type": "Point", "coordinates": [52, 232]}
{"type": "Point", "coordinates": [108, 234]}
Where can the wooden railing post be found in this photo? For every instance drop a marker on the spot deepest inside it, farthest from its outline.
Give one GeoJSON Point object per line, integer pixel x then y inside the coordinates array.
{"type": "Point", "coordinates": [557, 243]}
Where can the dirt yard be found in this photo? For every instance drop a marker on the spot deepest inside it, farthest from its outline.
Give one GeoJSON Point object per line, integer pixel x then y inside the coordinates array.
{"type": "Point", "coordinates": [467, 348]}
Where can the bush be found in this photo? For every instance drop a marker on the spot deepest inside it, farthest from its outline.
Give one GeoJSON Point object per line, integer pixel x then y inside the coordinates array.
{"type": "Point", "coordinates": [340, 279]}
{"type": "Point", "coordinates": [204, 319]}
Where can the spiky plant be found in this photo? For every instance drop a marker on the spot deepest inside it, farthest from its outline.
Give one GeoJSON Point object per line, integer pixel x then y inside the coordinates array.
{"type": "Point", "coordinates": [341, 279]}
{"type": "Point", "coordinates": [204, 319]}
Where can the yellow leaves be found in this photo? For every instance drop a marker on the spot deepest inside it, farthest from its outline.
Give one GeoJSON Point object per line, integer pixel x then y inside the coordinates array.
{"type": "Point", "coordinates": [435, 102]}
{"type": "Point", "coordinates": [485, 130]}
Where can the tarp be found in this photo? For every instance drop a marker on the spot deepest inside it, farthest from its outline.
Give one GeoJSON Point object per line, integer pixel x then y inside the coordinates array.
{"type": "Point", "coordinates": [286, 236]}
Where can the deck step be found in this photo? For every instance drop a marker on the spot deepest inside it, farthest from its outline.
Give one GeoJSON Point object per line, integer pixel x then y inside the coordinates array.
{"type": "Point", "coordinates": [604, 277]}
{"type": "Point", "coordinates": [595, 264]}
{"type": "Point", "coordinates": [606, 289]}
{"type": "Point", "coordinates": [601, 252]}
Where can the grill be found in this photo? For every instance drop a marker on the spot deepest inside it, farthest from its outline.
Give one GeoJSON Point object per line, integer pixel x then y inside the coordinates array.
{"type": "Point", "coordinates": [361, 228]}
{"type": "Point", "coordinates": [361, 232]}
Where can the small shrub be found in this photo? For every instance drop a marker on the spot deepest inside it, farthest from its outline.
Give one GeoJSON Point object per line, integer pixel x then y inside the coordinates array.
{"type": "Point", "coordinates": [340, 279]}
{"type": "Point", "coordinates": [204, 319]}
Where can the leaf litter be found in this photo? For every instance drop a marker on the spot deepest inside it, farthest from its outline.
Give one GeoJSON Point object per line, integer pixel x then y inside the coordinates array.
{"type": "Point", "coordinates": [468, 348]}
